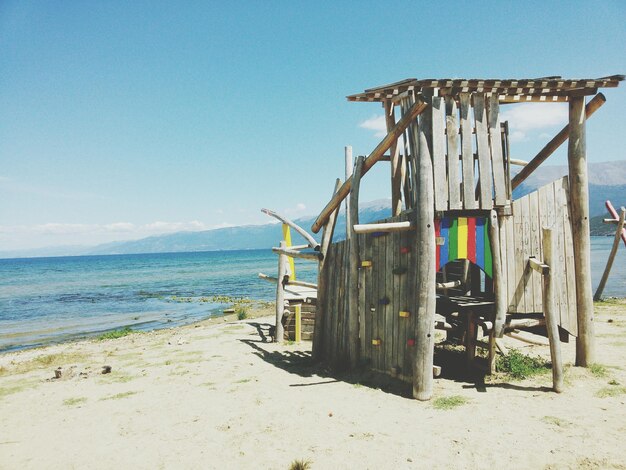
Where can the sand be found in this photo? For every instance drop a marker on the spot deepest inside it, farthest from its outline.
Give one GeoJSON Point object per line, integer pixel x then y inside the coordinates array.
{"type": "Point", "coordinates": [216, 395]}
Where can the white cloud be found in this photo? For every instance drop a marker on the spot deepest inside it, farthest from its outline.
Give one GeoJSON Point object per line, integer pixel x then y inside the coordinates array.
{"type": "Point", "coordinates": [377, 124]}
{"type": "Point", "coordinates": [525, 118]}
{"type": "Point", "coordinates": [297, 210]}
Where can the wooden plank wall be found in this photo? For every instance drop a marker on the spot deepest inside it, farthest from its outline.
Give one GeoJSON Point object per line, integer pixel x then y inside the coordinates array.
{"type": "Point", "coordinates": [520, 238]}
{"type": "Point", "coordinates": [469, 137]}
{"type": "Point", "coordinates": [383, 293]}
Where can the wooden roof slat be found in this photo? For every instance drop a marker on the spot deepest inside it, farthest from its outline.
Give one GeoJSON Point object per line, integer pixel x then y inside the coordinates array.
{"type": "Point", "coordinates": [544, 86]}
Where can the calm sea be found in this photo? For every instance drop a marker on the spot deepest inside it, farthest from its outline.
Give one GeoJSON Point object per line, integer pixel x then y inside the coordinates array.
{"type": "Point", "coordinates": [54, 299]}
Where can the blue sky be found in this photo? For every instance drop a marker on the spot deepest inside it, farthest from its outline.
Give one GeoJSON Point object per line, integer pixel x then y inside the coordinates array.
{"type": "Point", "coordinates": [125, 119]}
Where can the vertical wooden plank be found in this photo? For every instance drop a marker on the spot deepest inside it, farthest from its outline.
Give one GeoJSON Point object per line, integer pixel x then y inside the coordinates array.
{"type": "Point", "coordinates": [559, 286]}
{"type": "Point", "coordinates": [409, 160]}
{"type": "Point", "coordinates": [467, 154]}
{"type": "Point", "coordinates": [568, 301]}
{"type": "Point", "coordinates": [484, 155]}
{"type": "Point", "coordinates": [375, 306]}
{"type": "Point", "coordinates": [526, 253]}
{"type": "Point", "coordinates": [362, 305]}
{"type": "Point", "coordinates": [439, 156]}
{"type": "Point", "coordinates": [390, 314]}
{"type": "Point", "coordinates": [510, 263]}
{"type": "Point", "coordinates": [403, 260]}
{"type": "Point", "coordinates": [396, 169]}
{"type": "Point", "coordinates": [535, 280]}
{"type": "Point", "coordinates": [452, 137]}
{"type": "Point", "coordinates": [518, 243]}
{"type": "Point", "coordinates": [579, 203]}
{"type": "Point", "coordinates": [502, 220]}
{"type": "Point", "coordinates": [497, 160]}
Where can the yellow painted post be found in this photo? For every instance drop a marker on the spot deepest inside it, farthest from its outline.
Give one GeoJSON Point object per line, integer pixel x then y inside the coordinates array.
{"type": "Point", "coordinates": [298, 323]}
{"type": "Point", "coordinates": [287, 238]}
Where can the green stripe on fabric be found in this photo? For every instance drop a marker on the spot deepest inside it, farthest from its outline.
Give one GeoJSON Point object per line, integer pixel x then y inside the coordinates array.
{"type": "Point", "coordinates": [453, 235]}
{"type": "Point", "coordinates": [488, 260]}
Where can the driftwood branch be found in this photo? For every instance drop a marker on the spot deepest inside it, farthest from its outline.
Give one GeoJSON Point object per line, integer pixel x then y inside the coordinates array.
{"type": "Point", "coordinates": [384, 227]}
{"type": "Point", "coordinates": [273, 279]}
{"type": "Point", "coordinates": [306, 235]}
{"type": "Point", "coordinates": [315, 256]}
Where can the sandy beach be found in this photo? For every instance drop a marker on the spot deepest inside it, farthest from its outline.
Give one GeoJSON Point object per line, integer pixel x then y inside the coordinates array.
{"type": "Point", "coordinates": [216, 394]}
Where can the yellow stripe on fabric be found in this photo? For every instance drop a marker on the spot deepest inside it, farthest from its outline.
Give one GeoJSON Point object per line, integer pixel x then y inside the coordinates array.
{"type": "Point", "coordinates": [287, 238]}
{"type": "Point", "coordinates": [462, 238]}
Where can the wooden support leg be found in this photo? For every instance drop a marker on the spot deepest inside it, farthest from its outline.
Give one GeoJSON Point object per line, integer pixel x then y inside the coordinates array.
{"type": "Point", "coordinates": [492, 353]}
{"type": "Point", "coordinates": [549, 249]}
{"type": "Point", "coordinates": [470, 339]}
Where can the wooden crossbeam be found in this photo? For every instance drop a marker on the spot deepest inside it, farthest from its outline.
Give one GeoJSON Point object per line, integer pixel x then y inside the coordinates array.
{"type": "Point", "coordinates": [555, 143]}
{"type": "Point", "coordinates": [314, 256]}
{"type": "Point", "coordinates": [418, 107]}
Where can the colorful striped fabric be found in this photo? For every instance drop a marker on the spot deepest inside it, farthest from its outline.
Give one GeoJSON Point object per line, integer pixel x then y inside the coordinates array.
{"type": "Point", "coordinates": [464, 238]}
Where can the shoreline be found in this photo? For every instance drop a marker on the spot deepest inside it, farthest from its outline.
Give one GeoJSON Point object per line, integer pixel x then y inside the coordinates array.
{"type": "Point", "coordinates": [216, 394]}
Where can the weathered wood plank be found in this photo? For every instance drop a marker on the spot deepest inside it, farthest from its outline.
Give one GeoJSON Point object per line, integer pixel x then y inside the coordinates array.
{"type": "Point", "coordinates": [453, 155]}
{"type": "Point", "coordinates": [568, 308]}
{"type": "Point", "coordinates": [484, 155]}
{"type": "Point", "coordinates": [499, 287]}
{"type": "Point", "coordinates": [440, 179]}
{"type": "Point", "coordinates": [467, 153]}
{"type": "Point", "coordinates": [401, 226]}
{"type": "Point", "coordinates": [368, 315]}
{"type": "Point", "coordinates": [390, 293]}
{"type": "Point", "coordinates": [497, 162]}
{"type": "Point", "coordinates": [535, 279]}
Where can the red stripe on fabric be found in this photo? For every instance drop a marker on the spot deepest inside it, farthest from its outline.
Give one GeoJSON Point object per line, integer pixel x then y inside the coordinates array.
{"type": "Point", "coordinates": [471, 239]}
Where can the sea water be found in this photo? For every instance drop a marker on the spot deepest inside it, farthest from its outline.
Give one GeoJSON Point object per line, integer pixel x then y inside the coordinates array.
{"type": "Point", "coordinates": [45, 300]}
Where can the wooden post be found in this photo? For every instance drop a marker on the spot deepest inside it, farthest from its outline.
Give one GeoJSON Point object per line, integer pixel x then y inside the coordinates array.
{"type": "Point", "coordinates": [424, 297]}
{"type": "Point", "coordinates": [549, 309]}
{"type": "Point", "coordinates": [322, 286]}
{"type": "Point", "coordinates": [609, 263]}
{"type": "Point", "coordinates": [280, 295]}
{"type": "Point", "coordinates": [353, 269]}
{"type": "Point", "coordinates": [396, 167]}
{"type": "Point", "coordinates": [579, 204]}
{"type": "Point", "coordinates": [499, 288]}
{"type": "Point", "coordinates": [298, 315]}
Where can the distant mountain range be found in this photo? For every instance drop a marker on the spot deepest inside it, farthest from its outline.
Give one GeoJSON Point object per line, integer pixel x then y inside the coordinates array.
{"type": "Point", "coordinates": [607, 181]}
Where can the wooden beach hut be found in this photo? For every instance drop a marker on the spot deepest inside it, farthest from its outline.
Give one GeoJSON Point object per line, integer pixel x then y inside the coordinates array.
{"type": "Point", "coordinates": [459, 253]}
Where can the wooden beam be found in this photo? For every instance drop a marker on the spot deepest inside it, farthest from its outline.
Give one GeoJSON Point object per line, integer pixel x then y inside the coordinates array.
{"type": "Point", "coordinates": [308, 237]}
{"type": "Point", "coordinates": [556, 142]}
{"type": "Point", "coordinates": [499, 287]}
{"type": "Point", "coordinates": [394, 152]}
{"type": "Point", "coordinates": [418, 107]}
{"type": "Point", "coordinates": [579, 207]}
{"type": "Point", "coordinates": [314, 256]}
{"type": "Point", "coordinates": [515, 161]}
{"type": "Point", "coordinates": [613, 213]}
{"type": "Point", "coordinates": [538, 266]}
{"type": "Point", "coordinates": [294, 282]}
{"type": "Point", "coordinates": [384, 227]}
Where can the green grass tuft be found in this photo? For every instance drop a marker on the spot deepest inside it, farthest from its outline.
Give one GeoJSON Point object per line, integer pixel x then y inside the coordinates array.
{"type": "Point", "coordinates": [448, 403]}
{"type": "Point", "coordinates": [119, 395]}
{"type": "Point", "coordinates": [74, 401]}
{"type": "Point", "coordinates": [521, 366]}
{"type": "Point", "coordinates": [115, 334]}
{"type": "Point", "coordinates": [242, 312]}
{"type": "Point", "coordinates": [612, 391]}
{"type": "Point", "coordinates": [300, 464]}
{"type": "Point", "coordinates": [598, 370]}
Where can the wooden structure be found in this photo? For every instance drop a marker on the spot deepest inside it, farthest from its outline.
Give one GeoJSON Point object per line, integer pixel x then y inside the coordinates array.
{"type": "Point", "coordinates": [295, 300]}
{"type": "Point", "coordinates": [620, 232]}
{"type": "Point", "coordinates": [457, 244]}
